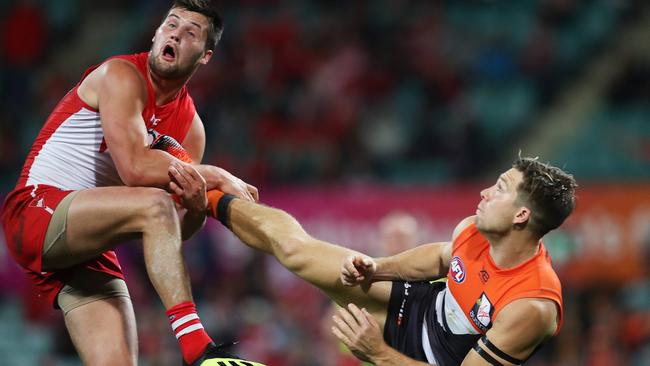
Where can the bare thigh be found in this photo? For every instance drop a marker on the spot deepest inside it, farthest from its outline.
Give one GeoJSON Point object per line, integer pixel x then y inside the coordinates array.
{"type": "Point", "coordinates": [100, 218]}
{"type": "Point", "coordinates": [104, 332]}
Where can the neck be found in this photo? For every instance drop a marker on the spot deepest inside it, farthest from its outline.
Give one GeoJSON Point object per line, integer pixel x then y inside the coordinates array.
{"type": "Point", "coordinates": [166, 89]}
{"type": "Point", "coordinates": [513, 248]}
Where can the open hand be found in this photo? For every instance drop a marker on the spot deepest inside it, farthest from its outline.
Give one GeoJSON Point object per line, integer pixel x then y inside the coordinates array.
{"type": "Point", "coordinates": [237, 187]}
{"type": "Point", "coordinates": [359, 331]}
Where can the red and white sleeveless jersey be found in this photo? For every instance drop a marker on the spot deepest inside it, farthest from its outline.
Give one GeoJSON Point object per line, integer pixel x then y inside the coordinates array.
{"type": "Point", "coordinates": [70, 152]}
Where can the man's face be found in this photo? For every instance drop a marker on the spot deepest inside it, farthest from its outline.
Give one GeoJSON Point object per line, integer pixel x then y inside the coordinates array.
{"type": "Point", "coordinates": [498, 210]}
{"type": "Point", "coordinates": [179, 44]}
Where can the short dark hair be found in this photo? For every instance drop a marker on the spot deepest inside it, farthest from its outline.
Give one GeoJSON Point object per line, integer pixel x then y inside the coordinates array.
{"type": "Point", "coordinates": [548, 190]}
{"type": "Point", "coordinates": [207, 8]}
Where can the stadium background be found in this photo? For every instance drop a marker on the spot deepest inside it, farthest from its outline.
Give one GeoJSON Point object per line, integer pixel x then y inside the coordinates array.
{"type": "Point", "coordinates": [343, 111]}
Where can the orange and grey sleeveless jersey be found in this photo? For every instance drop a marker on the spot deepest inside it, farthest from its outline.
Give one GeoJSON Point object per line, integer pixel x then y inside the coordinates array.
{"type": "Point", "coordinates": [477, 290]}
{"type": "Point", "coordinates": [70, 152]}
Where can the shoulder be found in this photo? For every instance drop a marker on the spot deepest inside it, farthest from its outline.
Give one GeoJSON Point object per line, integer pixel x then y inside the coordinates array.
{"type": "Point", "coordinates": [459, 229]}
{"type": "Point", "coordinates": [118, 83]}
{"type": "Point", "coordinates": [121, 72]}
{"type": "Point", "coordinates": [462, 226]}
{"type": "Point", "coordinates": [113, 79]}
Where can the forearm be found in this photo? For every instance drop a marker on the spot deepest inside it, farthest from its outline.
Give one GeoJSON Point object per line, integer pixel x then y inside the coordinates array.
{"type": "Point", "coordinates": [149, 168]}
{"type": "Point", "coordinates": [421, 263]}
{"type": "Point", "coordinates": [191, 223]}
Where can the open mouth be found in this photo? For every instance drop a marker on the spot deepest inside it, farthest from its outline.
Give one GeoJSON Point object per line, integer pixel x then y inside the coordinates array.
{"type": "Point", "coordinates": [169, 53]}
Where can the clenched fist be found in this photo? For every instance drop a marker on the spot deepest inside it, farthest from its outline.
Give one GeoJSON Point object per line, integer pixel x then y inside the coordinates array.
{"type": "Point", "coordinates": [357, 269]}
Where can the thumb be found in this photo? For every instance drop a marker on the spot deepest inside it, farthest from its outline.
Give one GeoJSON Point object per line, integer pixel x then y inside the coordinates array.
{"type": "Point", "coordinates": [358, 261]}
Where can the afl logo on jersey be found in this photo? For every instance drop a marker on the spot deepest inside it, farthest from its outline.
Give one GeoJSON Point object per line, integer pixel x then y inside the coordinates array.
{"type": "Point", "coordinates": [457, 270]}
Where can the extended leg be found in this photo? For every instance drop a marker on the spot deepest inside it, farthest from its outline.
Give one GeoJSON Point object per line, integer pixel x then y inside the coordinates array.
{"type": "Point", "coordinates": [318, 262]}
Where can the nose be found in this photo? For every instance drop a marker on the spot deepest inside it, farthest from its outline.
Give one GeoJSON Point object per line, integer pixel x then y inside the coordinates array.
{"type": "Point", "coordinates": [175, 33]}
{"type": "Point", "coordinates": [484, 193]}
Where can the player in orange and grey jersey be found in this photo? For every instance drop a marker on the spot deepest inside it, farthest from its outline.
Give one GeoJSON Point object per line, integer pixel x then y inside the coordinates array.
{"type": "Point", "coordinates": [502, 299]}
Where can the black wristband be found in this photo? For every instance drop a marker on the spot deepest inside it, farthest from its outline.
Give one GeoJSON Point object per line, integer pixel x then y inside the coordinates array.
{"type": "Point", "coordinates": [222, 209]}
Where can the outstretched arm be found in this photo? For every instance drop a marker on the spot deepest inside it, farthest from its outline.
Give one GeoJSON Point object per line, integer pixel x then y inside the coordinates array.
{"type": "Point", "coordinates": [429, 261]}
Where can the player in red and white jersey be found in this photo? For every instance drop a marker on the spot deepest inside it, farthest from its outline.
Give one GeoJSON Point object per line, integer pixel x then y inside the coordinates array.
{"type": "Point", "coordinates": [502, 298]}
{"type": "Point", "coordinates": [91, 181]}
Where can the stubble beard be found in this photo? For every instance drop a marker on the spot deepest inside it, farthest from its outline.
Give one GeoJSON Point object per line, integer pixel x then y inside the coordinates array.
{"type": "Point", "coordinates": [173, 71]}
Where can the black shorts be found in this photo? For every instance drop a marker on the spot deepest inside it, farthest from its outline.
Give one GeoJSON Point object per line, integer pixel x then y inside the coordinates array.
{"type": "Point", "coordinates": [406, 308]}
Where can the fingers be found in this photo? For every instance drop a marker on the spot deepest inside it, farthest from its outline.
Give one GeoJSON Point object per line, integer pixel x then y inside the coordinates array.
{"type": "Point", "coordinates": [242, 190]}
{"type": "Point", "coordinates": [349, 316]}
{"type": "Point", "coordinates": [356, 269]}
{"type": "Point", "coordinates": [350, 324]}
{"type": "Point", "coordinates": [186, 176]}
{"type": "Point", "coordinates": [175, 188]}
{"type": "Point", "coordinates": [343, 327]}
{"type": "Point", "coordinates": [237, 187]}
{"type": "Point", "coordinates": [342, 337]}
{"type": "Point", "coordinates": [254, 192]}
{"type": "Point", "coordinates": [248, 195]}
{"type": "Point", "coordinates": [179, 176]}
{"type": "Point", "coordinates": [362, 262]}
{"type": "Point", "coordinates": [194, 174]}
{"type": "Point", "coordinates": [369, 318]}
{"type": "Point", "coordinates": [349, 274]}
{"type": "Point", "coordinates": [361, 316]}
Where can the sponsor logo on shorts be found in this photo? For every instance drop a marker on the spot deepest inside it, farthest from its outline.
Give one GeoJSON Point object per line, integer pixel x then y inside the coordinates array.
{"type": "Point", "coordinates": [457, 270]}
{"type": "Point", "coordinates": [39, 202]}
{"type": "Point", "coordinates": [481, 313]}
{"type": "Point", "coordinates": [400, 315]}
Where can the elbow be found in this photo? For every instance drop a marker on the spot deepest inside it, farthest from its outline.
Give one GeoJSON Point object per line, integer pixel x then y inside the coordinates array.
{"type": "Point", "coordinates": [133, 177]}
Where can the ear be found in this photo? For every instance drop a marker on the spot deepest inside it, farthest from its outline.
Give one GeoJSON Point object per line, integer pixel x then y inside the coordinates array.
{"type": "Point", "coordinates": [206, 57]}
{"type": "Point", "coordinates": [522, 216]}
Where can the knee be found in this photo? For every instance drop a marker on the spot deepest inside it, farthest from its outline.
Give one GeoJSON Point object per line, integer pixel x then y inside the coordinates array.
{"type": "Point", "coordinates": [157, 207]}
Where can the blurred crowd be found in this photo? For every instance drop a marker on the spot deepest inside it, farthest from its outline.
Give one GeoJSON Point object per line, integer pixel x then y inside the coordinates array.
{"type": "Point", "coordinates": [318, 92]}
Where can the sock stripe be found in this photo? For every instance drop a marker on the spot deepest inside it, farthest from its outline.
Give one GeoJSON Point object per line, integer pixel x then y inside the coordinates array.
{"type": "Point", "coordinates": [184, 320]}
{"type": "Point", "coordinates": [189, 329]}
